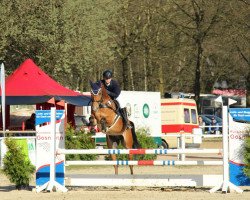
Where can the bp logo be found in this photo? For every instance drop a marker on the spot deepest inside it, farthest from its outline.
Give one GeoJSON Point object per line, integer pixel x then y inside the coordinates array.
{"type": "Point", "coordinates": [145, 110]}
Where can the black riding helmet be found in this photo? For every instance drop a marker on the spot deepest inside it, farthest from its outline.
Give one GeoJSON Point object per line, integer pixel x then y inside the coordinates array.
{"type": "Point", "coordinates": [107, 74]}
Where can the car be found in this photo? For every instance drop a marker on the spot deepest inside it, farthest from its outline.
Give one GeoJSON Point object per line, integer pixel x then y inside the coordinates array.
{"type": "Point", "coordinates": [81, 122]}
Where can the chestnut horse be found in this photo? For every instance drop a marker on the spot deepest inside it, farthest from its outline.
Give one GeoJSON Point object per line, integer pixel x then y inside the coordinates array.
{"type": "Point", "coordinates": [106, 112]}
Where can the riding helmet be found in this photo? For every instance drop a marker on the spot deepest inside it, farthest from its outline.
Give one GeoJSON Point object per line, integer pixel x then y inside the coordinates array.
{"type": "Point", "coordinates": [107, 74]}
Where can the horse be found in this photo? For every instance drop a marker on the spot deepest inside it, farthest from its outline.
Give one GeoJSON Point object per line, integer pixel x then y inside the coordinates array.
{"type": "Point", "coordinates": [106, 112]}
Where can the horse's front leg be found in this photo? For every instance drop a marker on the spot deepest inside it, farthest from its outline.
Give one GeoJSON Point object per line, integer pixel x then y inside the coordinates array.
{"type": "Point", "coordinates": [103, 125]}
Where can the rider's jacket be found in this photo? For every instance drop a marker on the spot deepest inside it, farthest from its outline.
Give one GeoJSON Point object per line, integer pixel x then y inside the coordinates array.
{"type": "Point", "coordinates": [113, 89]}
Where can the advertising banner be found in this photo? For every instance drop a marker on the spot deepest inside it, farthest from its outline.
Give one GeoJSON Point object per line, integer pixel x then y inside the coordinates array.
{"type": "Point", "coordinates": [43, 139]}
{"type": "Point", "coordinates": [239, 124]}
{"type": "Point", "coordinates": [144, 109]}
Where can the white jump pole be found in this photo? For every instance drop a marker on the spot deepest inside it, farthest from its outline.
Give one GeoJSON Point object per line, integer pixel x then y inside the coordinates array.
{"type": "Point", "coordinates": [226, 185]}
{"type": "Point", "coordinates": [146, 162]}
{"type": "Point", "coordinates": [52, 184]}
{"type": "Point", "coordinates": [139, 151]}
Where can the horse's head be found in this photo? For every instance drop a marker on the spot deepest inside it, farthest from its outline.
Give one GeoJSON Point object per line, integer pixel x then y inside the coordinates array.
{"type": "Point", "coordinates": [96, 91]}
{"type": "Point", "coordinates": [98, 95]}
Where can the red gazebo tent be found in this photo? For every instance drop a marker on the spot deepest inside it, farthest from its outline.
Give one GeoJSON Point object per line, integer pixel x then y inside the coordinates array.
{"type": "Point", "coordinates": [29, 85]}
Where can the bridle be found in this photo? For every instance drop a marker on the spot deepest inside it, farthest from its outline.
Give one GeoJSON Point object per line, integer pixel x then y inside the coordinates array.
{"type": "Point", "coordinates": [100, 101]}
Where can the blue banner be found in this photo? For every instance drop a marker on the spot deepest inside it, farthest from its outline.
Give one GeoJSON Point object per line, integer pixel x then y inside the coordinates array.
{"type": "Point", "coordinates": [240, 114]}
{"type": "Point", "coordinates": [43, 116]}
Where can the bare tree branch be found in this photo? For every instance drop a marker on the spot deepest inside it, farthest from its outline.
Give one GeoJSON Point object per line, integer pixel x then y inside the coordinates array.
{"type": "Point", "coordinates": [241, 53]}
{"type": "Point", "coordinates": [245, 2]}
{"type": "Point", "coordinates": [184, 11]}
{"type": "Point", "coordinates": [213, 20]}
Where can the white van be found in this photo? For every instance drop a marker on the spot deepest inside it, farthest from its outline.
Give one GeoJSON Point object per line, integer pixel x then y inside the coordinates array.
{"type": "Point", "coordinates": [178, 116]}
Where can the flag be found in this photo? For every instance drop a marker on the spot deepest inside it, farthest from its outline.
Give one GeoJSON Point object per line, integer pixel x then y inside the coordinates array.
{"type": "Point", "coordinates": [52, 101]}
{"type": "Point", "coordinates": [61, 103]}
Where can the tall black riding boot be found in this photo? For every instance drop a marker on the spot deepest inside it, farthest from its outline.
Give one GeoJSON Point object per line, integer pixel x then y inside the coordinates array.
{"type": "Point", "coordinates": [125, 117]}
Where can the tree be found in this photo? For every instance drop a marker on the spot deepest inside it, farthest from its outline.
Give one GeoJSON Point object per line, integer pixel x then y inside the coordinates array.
{"type": "Point", "coordinates": [174, 46]}
{"type": "Point", "coordinates": [196, 20]}
{"type": "Point", "coordinates": [89, 51]}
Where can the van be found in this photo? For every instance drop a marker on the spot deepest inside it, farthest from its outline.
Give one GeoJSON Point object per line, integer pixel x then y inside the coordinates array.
{"type": "Point", "coordinates": [178, 116]}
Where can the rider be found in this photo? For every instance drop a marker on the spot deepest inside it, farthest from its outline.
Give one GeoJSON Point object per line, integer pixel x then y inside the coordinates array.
{"type": "Point", "coordinates": [114, 90]}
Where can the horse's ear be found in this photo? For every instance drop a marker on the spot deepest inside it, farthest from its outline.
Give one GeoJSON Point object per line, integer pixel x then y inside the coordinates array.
{"type": "Point", "coordinates": [91, 83]}
{"type": "Point", "coordinates": [99, 83]}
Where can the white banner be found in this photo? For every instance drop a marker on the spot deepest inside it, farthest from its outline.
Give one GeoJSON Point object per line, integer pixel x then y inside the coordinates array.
{"type": "Point", "coordinates": [144, 109]}
{"type": "Point", "coordinates": [237, 134]}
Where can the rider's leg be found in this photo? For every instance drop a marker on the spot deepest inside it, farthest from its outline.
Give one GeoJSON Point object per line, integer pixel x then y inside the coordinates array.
{"type": "Point", "coordinates": [125, 116]}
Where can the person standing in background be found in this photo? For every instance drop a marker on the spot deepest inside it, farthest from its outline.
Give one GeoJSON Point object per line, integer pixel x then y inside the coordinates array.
{"type": "Point", "coordinates": [201, 124]}
{"type": "Point", "coordinates": [30, 123]}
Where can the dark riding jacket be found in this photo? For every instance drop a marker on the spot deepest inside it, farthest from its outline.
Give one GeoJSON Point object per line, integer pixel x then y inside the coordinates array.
{"type": "Point", "coordinates": [113, 89]}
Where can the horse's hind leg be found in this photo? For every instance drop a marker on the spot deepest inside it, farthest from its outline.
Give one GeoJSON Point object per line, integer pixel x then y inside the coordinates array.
{"type": "Point", "coordinates": [128, 143]}
{"type": "Point", "coordinates": [130, 157]}
{"type": "Point", "coordinates": [112, 145]}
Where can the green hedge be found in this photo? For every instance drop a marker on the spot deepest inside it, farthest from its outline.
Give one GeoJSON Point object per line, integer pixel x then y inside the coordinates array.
{"type": "Point", "coordinates": [17, 167]}
{"type": "Point", "coordinates": [79, 140]}
{"type": "Point", "coordinates": [82, 140]}
{"type": "Point", "coordinates": [145, 141]}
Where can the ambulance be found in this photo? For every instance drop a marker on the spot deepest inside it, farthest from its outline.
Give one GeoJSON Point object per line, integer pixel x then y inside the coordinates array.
{"type": "Point", "coordinates": [178, 116]}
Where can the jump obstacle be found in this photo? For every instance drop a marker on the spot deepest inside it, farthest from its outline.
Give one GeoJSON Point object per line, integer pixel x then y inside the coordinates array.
{"type": "Point", "coordinates": [155, 180]}
{"type": "Point", "coordinates": [149, 180]}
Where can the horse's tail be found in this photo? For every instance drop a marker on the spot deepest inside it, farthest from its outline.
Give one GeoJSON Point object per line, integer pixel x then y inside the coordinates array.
{"type": "Point", "coordinates": [136, 144]}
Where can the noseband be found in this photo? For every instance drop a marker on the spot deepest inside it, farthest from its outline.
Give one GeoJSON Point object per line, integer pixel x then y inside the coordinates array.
{"type": "Point", "coordinates": [100, 101]}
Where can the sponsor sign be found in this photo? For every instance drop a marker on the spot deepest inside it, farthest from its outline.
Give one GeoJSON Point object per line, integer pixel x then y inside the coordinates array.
{"type": "Point", "coordinates": [238, 127]}
{"type": "Point", "coordinates": [43, 139]}
{"type": "Point", "coordinates": [144, 109]}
